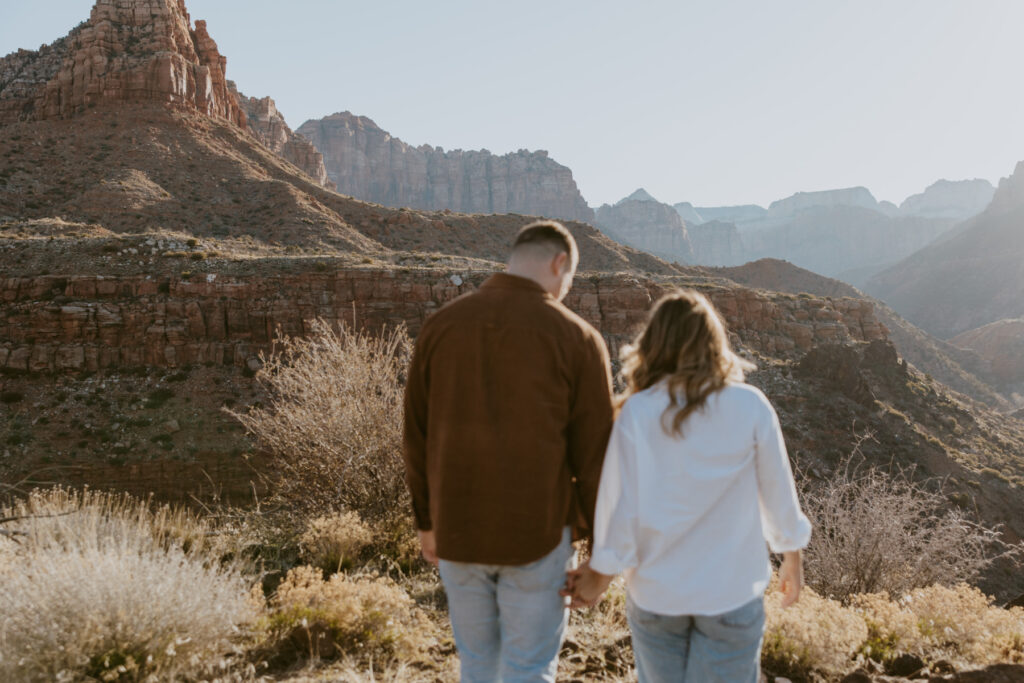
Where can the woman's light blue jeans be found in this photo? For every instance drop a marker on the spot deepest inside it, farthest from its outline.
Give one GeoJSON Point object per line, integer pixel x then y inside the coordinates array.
{"type": "Point", "coordinates": [509, 621]}
{"type": "Point", "coordinates": [724, 648]}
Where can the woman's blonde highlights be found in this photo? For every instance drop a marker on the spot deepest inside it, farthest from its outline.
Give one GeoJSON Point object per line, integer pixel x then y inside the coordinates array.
{"type": "Point", "coordinates": [685, 342]}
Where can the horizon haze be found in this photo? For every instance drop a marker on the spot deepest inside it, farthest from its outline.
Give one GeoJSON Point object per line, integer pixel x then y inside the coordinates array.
{"type": "Point", "coordinates": [723, 104]}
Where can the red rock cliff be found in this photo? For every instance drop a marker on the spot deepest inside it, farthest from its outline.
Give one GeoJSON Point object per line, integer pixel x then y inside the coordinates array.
{"type": "Point", "coordinates": [128, 51]}
{"type": "Point", "coordinates": [91, 322]}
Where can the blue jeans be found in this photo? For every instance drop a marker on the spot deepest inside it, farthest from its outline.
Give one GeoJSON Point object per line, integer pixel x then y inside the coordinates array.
{"type": "Point", "coordinates": [509, 620]}
{"type": "Point", "coordinates": [723, 648]}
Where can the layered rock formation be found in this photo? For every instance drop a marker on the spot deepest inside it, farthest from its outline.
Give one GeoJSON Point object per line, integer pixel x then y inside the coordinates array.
{"type": "Point", "coordinates": [268, 125]}
{"type": "Point", "coordinates": [91, 322]}
{"type": "Point", "coordinates": [1001, 344]}
{"type": "Point", "coordinates": [367, 163]}
{"type": "Point", "coordinates": [974, 277]}
{"type": "Point", "coordinates": [128, 51]}
{"type": "Point", "coordinates": [956, 200]}
{"type": "Point", "coordinates": [643, 222]}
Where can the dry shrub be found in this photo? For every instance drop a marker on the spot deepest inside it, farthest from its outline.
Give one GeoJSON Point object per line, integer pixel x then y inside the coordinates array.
{"type": "Point", "coordinates": [959, 624]}
{"type": "Point", "coordinates": [334, 419]}
{"type": "Point", "coordinates": [359, 616]}
{"type": "Point", "coordinates": [879, 531]}
{"type": "Point", "coordinates": [331, 542]}
{"type": "Point", "coordinates": [103, 587]}
{"type": "Point", "coordinates": [815, 634]}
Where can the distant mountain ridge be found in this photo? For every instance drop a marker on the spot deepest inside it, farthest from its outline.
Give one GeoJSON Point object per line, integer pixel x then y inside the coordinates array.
{"type": "Point", "coordinates": [843, 233]}
{"type": "Point", "coordinates": [949, 199]}
{"type": "Point", "coordinates": [974, 277]}
{"type": "Point", "coordinates": [368, 163]}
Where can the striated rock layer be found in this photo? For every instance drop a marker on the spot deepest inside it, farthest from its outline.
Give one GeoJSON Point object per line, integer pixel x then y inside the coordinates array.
{"type": "Point", "coordinates": [269, 127]}
{"type": "Point", "coordinates": [128, 51]}
{"type": "Point", "coordinates": [92, 322]}
{"type": "Point", "coordinates": [367, 163]}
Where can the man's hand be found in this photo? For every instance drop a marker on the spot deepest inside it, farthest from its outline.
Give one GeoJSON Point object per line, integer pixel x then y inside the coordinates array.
{"type": "Point", "coordinates": [585, 586]}
{"type": "Point", "coordinates": [791, 577]}
{"type": "Point", "coordinates": [428, 546]}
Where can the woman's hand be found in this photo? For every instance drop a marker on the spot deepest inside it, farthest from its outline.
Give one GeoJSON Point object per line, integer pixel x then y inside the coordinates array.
{"type": "Point", "coordinates": [791, 577]}
{"type": "Point", "coordinates": [585, 586]}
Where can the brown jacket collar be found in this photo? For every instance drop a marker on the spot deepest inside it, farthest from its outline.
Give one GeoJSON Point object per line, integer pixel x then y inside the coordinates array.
{"type": "Point", "coordinates": [507, 281]}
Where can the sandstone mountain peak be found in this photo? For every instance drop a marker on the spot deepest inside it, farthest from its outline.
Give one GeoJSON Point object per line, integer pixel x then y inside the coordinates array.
{"type": "Point", "coordinates": [129, 51]}
{"type": "Point", "coordinates": [639, 195]}
{"type": "Point", "coordinates": [642, 222]}
{"type": "Point", "coordinates": [956, 199]}
{"type": "Point", "coordinates": [369, 163]}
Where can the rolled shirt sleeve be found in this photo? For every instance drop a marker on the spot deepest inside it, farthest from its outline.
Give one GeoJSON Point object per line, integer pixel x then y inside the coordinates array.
{"type": "Point", "coordinates": [786, 528]}
{"type": "Point", "coordinates": [616, 514]}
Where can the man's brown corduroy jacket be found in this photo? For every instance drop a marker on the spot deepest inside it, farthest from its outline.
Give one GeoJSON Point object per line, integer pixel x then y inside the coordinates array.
{"type": "Point", "coordinates": [508, 409]}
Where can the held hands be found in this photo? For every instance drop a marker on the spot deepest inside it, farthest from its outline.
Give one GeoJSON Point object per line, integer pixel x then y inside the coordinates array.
{"type": "Point", "coordinates": [585, 586]}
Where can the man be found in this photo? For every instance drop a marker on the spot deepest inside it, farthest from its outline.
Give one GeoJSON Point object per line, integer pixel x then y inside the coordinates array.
{"type": "Point", "coordinates": [507, 414]}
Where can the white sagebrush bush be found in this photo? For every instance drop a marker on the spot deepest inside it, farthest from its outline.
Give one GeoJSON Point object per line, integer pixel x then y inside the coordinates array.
{"type": "Point", "coordinates": [102, 589]}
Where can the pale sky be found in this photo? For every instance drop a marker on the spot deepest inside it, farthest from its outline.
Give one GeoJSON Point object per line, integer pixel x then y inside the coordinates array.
{"type": "Point", "coordinates": [713, 102]}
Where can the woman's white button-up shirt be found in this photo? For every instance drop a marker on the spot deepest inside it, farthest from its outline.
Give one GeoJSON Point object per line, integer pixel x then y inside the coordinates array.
{"type": "Point", "coordinates": [686, 519]}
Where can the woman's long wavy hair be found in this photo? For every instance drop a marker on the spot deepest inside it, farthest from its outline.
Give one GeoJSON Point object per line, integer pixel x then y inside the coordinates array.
{"type": "Point", "coordinates": [684, 341]}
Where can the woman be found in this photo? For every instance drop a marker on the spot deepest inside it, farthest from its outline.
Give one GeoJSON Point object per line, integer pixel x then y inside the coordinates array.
{"type": "Point", "coordinates": [695, 480]}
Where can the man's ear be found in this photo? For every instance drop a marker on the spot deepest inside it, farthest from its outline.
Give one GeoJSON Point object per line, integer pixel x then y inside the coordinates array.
{"type": "Point", "coordinates": [559, 263]}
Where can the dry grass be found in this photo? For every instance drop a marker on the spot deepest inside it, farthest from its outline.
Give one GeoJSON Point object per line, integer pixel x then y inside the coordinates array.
{"type": "Point", "coordinates": [332, 542]}
{"type": "Point", "coordinates": [816, 634]}
{"type": "Point", "coordinates": [334, 420]}
{"type": "Point", "coordinates": [958, 624]}
{"type": "Point", "coordinates": [104, 587]}
{"type": "Point", "coordinates": [367, 617]}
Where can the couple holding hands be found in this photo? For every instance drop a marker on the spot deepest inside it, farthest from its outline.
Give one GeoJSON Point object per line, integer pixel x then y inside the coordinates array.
{"type": "Point", "coordinates": [513, 450]}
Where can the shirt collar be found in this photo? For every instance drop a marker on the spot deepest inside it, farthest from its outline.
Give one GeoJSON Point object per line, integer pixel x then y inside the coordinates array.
{"type": "Point", "coordinates": [507, 281]}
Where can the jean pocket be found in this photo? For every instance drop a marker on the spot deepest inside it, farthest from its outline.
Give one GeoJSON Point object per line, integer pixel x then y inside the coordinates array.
{"type": "Point", "coordinates": [745, 616]}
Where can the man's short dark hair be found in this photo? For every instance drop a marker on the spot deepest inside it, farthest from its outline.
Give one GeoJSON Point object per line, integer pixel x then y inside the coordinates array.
{"type": "Point", "coordinates": [551, 235]}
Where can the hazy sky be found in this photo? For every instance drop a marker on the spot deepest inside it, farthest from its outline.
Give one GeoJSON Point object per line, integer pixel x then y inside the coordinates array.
{"type": "Point", "coordinates": [713, 102]}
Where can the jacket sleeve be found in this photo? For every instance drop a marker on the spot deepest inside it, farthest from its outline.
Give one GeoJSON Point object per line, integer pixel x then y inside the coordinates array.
{"type": "Point", "coordinates": [415, 435]}
{"type": "Point", "coordinates": [590, 422]}
{"type": "Point", "coordinates": [785, 525]}
{"type": "Point", "coordinates": [615, 519]}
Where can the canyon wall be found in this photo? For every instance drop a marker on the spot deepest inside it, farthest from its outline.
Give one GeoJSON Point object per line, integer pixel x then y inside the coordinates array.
{"type": "Point", "coordinates": [128, 51]}
{"type": "Point", "coordinates": [55, 322]}
{"type": "Point", "coordinates": [367, 163]}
